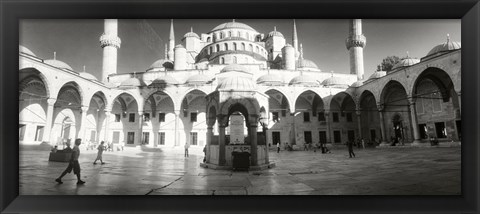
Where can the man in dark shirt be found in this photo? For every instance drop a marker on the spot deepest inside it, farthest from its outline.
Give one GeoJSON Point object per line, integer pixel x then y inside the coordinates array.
{"type": "Point", "coordinates": [73, 165]}
{"type": "Point", "coordinates": [350, 148]}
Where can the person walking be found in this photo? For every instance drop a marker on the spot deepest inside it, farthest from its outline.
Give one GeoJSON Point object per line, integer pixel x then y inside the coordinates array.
{"type": "Point", "coordinates": [73, 164]}
{"type": "Point", "coordinates": [363, 143]}
{"type": "Point", "coordinates": [278, 147]}
{"type": "Point", "coordinates": [100, 149]}
{"type": "Point", "coordinates": [187, 145]}
{"type": "Point", "coordinates": [350, 149]}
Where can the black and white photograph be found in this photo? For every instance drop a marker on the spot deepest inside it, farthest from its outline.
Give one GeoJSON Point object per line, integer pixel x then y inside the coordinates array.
{"type": "Point", "coordinates": [240, 107]}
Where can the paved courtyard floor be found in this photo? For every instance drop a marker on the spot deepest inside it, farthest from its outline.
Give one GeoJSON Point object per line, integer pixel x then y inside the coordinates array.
{"type": "Point", "coordinates": [384, 171]}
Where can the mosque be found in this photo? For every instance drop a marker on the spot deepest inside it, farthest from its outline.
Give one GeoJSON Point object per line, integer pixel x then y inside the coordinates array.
{"type": "Point", "coordinates": [237, 89]}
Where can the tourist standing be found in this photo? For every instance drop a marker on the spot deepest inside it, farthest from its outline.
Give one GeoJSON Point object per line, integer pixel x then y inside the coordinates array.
{"type": "Point", "coordinates": [363, 143]}
{"type": "Point", "coordinates": [350, 148]}
{"type": "Point", "coordinates": [187, 145]}
{"type": "Point", "coordinates": [73, 164]}
{"type": "Point", "coordinates": [100, 149]}
{"type": "Point", "coordinates": [278, 147]}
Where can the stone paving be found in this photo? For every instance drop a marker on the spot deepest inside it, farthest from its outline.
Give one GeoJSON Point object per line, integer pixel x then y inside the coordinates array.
{"type": "Point", "coordinates": [381, 171]}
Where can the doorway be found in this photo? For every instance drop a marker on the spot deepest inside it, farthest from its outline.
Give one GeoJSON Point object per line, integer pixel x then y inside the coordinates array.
{"type": "Point", "coordinates": [308, 137]}
{"type": "Point", "coordinates": [322, 136]}
{"type": "Point", "coordinates": [145, 138]}
{"type": "Point", "coordinates": [130, 137]}
{"type": "Point", "coordinates": [275, 138]}
{"type": "Point", "coordinates": [398, 126]}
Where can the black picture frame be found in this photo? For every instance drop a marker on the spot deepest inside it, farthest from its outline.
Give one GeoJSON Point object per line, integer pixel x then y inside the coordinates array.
{"type": "Point", "coordinates": [11, 11]}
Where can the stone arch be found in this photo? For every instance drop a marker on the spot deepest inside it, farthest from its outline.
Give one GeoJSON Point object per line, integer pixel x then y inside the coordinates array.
{"type": "Point", "coordinates": [370, 117]}
{"type": "Point", "coordinates": [313, 101]}
{"type": "Point", "coordinates": [35, 72]}
{"type": "Point", "coordinates": [251, 106]}
{"type": "Point", "coordinates": [394, 100]}
{"type": "Point", "coordinates": [343, 99]}
{"type": "Point", "coordinates": [285, 100]}
{"type": "Point", "coordinates": [439, 77]}
{"type": "Point", "coordinates": [99, 94]}
{"type": "Point", "coordinates": [391, 85]}
{"type": "Point", "coordinates": [70, 92]}
{"type": "Point", "coordinates": [123, 102]}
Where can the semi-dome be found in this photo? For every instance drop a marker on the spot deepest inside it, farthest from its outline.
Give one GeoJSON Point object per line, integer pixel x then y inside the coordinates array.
{"type": "Point", "coordinates": [235, 67]}
{"type": "Point", "coordinates": [406, 62]}
{"type": "Point", "coordinates": [445, 47]}
{"type": "Point", "coordinates": [132, 82]}
{"type": "Point", "coordinates": [198, 79]}
{"type": "Point", "coordinates": [304, 80]}
{"type": "Point", "coordinates": [236, 83]}
{"type": "Point", "coordinates": [87, 76]}
{"type": "Point", "coordinates": [270, 79]}
{"type": "Point", "coordinates": [356, 84]}
{"type": "Point", "coordinates": [305, 63]}
{"type": "Point", "coordinates": [230, 25]}
{"type": "Point", "coordinates": [332, 81]}
{"type": "Point", "coordinates": [162, 63]}
{"type": "Point", "coordinates": [377, 74]}
{"type": "Point", "coordinates": [23, 49]}
{"type": "Point", "coordinates": [191, 34]}
{"type": "Point", "coordinates": [58, 64]}
{"type": "Point", "coordinates": [166, 80]}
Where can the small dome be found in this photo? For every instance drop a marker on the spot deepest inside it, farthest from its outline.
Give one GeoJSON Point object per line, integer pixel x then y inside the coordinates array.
{"type": "Point", "coordinates": [445, 47]}
{"type": "Point", "coordinates": [25, 50]}
{"type": "Point", "coordinates": [235, 67]}
{"type": "Point", "coordinates": [305, 63]}
{"type": "Point", "coordinates": [270, 79]}
{"type": "Point", "coordinates": [406, 62]}
{"type": "Point", "coordinates": [166, 80]}
{"type": "Point", "coordinates": [236, 83]}
{"type": "Point", "coordinates": [304, 80]}
{"type": "Point", "coordinates": [275, 33]}
{"type": "Point", "coordinates": [191, 34]}
{"type": "Point", "coordinates": [334, 81]}
{"type": "Point", "coordinates": [377, 74]}
{"type": "Point", "coordinates": [179, 46]}
{"type": "Point", "coordinates": [132, 82]}
{"type": "Point", "coordinates": [356, 84]}
{"type": "Point", "coordinates": [162, 63]}
{"type": "Point", "coordinates": [232, 25]}
{"type": "Point", "coordinates": [87, 76]}
{"type": "Point", "coordinates": [198, 79]}
{"type": "Point", "coordinates": [58, 64]}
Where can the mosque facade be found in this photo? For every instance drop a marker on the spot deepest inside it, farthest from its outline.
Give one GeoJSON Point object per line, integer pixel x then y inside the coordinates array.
{"type": "Point", "coordinates": [189, 96]}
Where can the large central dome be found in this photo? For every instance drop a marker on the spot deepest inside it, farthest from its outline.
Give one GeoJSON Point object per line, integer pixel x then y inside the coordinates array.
{"type": "Point", "coordinates": [230, 25]}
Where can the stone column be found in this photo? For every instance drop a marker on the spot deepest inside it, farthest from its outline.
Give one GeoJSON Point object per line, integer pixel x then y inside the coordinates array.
{"type": "Point", "coordinates": [253, 145]}
{"type": "Point", "coordinates": [382, 126]}
{"type": "Point", "coordinates": [265, 129]}
{"type": "Point", "coordinates": [413, 115]}
{"type": "Point", "coordinates": [221, 145]}
{"type": "Point", "coordinates": [177, 115]}
{"type": "Point", "coordinates": [49, 120]}
{"type": "Point", "coordinates": [107, 121]}
{"type": "Point", "coordinates": [83, 124]}
{"type": "Point", "coordinates": [329, 128]}
{"type": "Point", "coordinates": [292, 130]}
{"type": "Point", "coordinates": [140, 127]}
{"type": "Point", "coordinates": [209, 142]}
{"type": "Point", "coordinates": [359, 122]}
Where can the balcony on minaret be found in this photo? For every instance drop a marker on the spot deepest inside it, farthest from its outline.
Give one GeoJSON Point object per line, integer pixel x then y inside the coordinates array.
{"type": "Point", "coordinates": [355, 41]}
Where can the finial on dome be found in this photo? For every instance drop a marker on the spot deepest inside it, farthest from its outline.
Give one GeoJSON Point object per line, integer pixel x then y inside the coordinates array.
{"type": "Point", "coordinates": [54, 55]}
{"type": "Point", "coordinates": [233, 20]}
{"type": "Point", "coordinates": [275, 28]}
{"type": "Point", "coordinates": [191, 29]}
{"type": "Point", "coordinates": [448, 37]}
{"type": "Point", "coordinates": [83, 68]}
{"type": "Point", "coordinates": [331, 72]}
{"type": "Point", "coordinates": [408, 55]}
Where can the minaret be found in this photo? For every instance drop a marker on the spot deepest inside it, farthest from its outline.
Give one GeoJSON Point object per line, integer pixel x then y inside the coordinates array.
{"type": "Point", "coordinates": [171, 42]}
{"type": "Point", "coordinates": [295, 39]}
{"type": "Point", "coordinates": [110, 42]}
{"type": "Point", "coordinates": [355, 43]}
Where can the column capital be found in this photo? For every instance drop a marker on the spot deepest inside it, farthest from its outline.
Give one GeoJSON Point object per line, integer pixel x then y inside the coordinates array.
{"type": "Point", "coordinates": [380, 107]}
{"type": "Point", "coordinates": [411, 101]}
{"type": "Point", "coordinates": [141, 113]}
{"type": "Point", "coordinates": [84, 109]}
{"type": "Point", "coordinates": [51, 101]}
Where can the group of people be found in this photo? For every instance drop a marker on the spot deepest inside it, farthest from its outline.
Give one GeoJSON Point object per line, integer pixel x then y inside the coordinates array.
{"type": "Point", "coordinates": [109, 146]}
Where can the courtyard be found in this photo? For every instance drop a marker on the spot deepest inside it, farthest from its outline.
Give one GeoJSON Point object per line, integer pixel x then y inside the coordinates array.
{"type": "Point", "coordinates": [137, 171]}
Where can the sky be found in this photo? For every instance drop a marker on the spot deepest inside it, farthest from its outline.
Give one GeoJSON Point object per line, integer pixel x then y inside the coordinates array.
{"type": "Point", "coordinates": [76, 42]}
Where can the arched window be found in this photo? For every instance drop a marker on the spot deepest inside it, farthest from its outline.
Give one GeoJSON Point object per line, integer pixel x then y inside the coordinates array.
{"type": "Point", "coordinates": [208, 39]}
{"type": "Point", "coordinates": [218, 47]}
{"type": "Point", "coordinates": [250, 47]}
{"type": "Point", "coordinates": [221, 35]}
{"type": "Point", "coordinates": [243, 46]}
{"type": "Point", "coordinates": [222, 60]}
{"type": "Point", "coordinates": [235, 46]}
{"type": "Point", "coordinates": [226, 46]}
{"type": "Point", "coordinates": [234, 60]}
{"type": "Point", "coordinates": [239, 34]}
{"type": "Point", "coordinates": [211, 50]}
{"type": "Point", "coordinates": [229, 33]}
{"type": "Point", "coordinates": [214, 37]}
